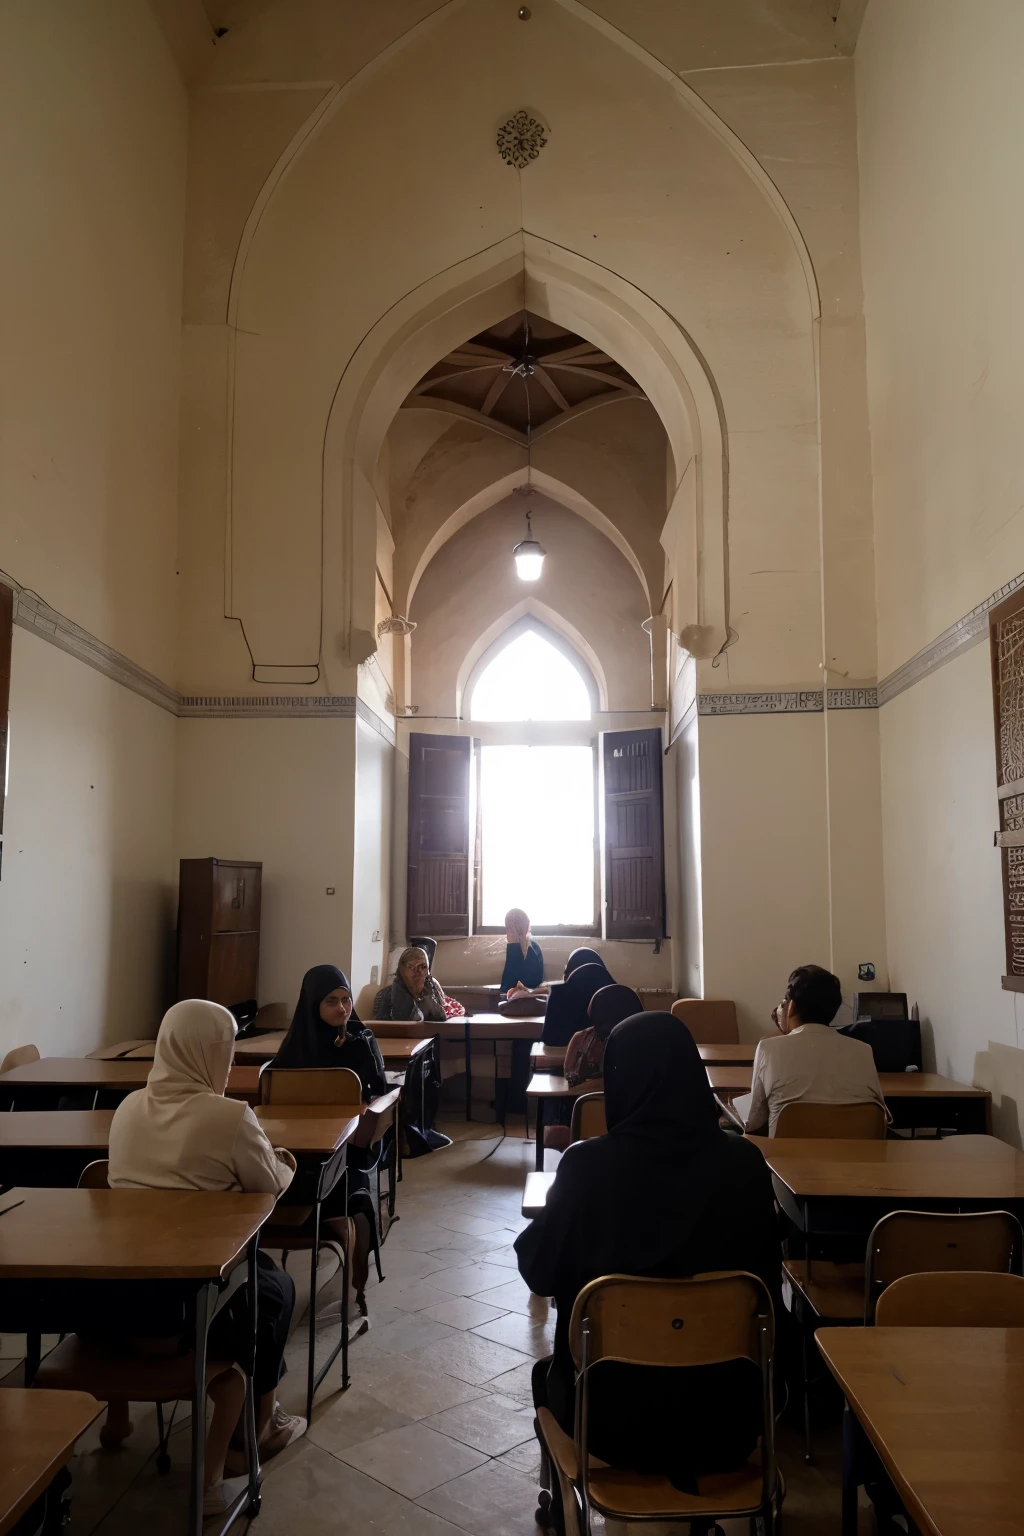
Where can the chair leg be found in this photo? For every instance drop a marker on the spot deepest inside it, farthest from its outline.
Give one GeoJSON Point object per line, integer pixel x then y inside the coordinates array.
{"type": "Point", "coordinates": [314, 1260]}
{"type": "Point", "coordinates": [375, 1240]}
{"type": "Point", "coordinates": [163, 1459]}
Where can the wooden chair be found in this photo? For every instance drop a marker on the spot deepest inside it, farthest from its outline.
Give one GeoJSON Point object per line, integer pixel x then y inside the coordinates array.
{"type": "Point", "coordinates": [115, 1373]}
{"type": "Point", "coordinates": [956, 1299]}
{"type": "Point", "coordinates": [19, 1057]}
{"type": "Point", "coordinates": [928, 1242]}
{"type": "Point", "coordinates": [726, 1316]}
{"type": "Point", "coordinates": [588, 1117]}
{"type": "Point", "coordinates": [851, 1122]}
{"type": "Point", "coordinates": [295, 1228]}
{"type": "Point", "coordinates": [364, 1002]}
{"type": "Point", "coordinates": [710, 1022]}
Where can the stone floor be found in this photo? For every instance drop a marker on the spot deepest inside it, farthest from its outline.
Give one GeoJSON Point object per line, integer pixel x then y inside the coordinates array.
{"type": "Point", "coordinates": [435, 1435]}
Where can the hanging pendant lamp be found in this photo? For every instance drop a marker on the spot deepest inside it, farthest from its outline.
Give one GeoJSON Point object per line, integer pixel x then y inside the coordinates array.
{"type": "Point", "coordinates": [528, 554]}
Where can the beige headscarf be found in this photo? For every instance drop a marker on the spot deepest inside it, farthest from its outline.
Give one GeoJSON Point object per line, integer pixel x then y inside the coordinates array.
{"type": "Point", "coordinates": [179, 1132]}
{"type": "Point", "coordinates": [518, 925]}
{"type": "Point", "coordinates": [413, 952]}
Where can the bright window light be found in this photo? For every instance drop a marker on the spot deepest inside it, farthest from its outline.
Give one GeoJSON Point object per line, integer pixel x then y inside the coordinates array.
{"type": "Point", "coordinates": [537, 824]}
{"type": "Point", "coordinates": [530, 679]}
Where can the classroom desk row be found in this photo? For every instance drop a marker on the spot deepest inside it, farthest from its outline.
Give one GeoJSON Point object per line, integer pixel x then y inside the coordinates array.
{"type": "Point", "coordinates": [59, 1237]}
{"type": "Point", "coordinates": [914, 1099]}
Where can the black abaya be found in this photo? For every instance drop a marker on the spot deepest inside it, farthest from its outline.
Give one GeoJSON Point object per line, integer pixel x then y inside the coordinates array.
{"type": "Point", "coordinates": [664, 1193]}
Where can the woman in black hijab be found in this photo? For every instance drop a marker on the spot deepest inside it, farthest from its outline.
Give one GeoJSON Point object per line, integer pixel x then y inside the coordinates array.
{"type": "Point", "coordinates": [664, 1193]}
{"type": "Point", "coordinates": [326, 1031]}
{"type": "Point", "coordinates": [569, 1000]}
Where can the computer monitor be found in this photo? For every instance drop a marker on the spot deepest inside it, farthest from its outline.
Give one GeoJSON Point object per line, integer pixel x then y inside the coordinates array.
{"type": "Point", "coordinates": [895, 1043]}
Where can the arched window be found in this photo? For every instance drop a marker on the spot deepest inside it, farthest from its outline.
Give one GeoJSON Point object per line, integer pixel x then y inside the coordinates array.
{"type": "Point", "coordinates": [530, 679]}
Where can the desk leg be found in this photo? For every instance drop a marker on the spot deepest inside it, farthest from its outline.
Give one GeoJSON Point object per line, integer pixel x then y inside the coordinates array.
{"type": "Point", "coordinates": [469, 1075]}
{"type": "Point", "coordinates": [849, 1495]}
{"type": "Point", "coordinates": [346, 1280]}
{"type": "Point", "coordinates": [540, 1135]}
{"type": "Point", "coordinates": [204, 1309]}
{"type": "Point", "coordinates": [252, 1451]}
{"type": "Point", "coordinates": [314, 1258]}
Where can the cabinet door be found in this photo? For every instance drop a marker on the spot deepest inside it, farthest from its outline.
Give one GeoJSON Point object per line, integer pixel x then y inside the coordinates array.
{"type": "Point", "coordinates": [236, 898]}
{"type": "Point", "coordinates": [234, 968]}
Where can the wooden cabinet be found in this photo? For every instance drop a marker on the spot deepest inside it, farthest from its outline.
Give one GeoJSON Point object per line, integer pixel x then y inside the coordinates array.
{"type": "Point", "coordinates": [219, 929]}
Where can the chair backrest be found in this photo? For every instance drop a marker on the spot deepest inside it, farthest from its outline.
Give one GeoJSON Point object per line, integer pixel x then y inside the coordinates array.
{"type": "Point", "coordinates": [94, 1175]}
{"type": "Point", "coordinates": [954, 1299]}
{"type": "Point", "coordinates": [588, 1118]}
{"type": "Point", "coordinates": [706, 1320]}
{"type": "Point", "coordinates": [364, 1002]}
{"type": "Point", "coordinates": [853, 1122]}
{"type": "Point", "coordinates": [919, 1242]}
{"type": "Point", "coordinates": [710, 1022]}
{"type": "Point", "coordinates": [311, 1085]}
{"type": "Point", "coordinates": [19, 1057]}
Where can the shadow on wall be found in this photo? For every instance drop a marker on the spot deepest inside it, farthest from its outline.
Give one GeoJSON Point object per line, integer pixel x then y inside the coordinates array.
{"type": "Point", "coordinates": [1000, 1069]}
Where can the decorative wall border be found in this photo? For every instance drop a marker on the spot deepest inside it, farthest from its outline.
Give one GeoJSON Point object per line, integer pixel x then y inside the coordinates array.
{"type": "Point", "coordinates": [800, 701]}
{"type": "Point", "coordinates": [33, 614]}
{"type": "Point", "coordinates": [959, 637]}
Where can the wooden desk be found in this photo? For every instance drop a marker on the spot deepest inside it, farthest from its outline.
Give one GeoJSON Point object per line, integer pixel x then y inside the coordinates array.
{"type": "Point", "coordinates": [547, 1058]}
{"type": "Point", "coordinates": [733, 1054]}
{"type": "Point", "coordinates": [122, 1048]}
{"type": "Point", "coordinates": [64, 1074]}
{"type": "Point", "coordinates": [126, 1234]}
{"type": "Point", "coordinates": [535, 1196]}
{"type": "Point", "coordinates": [914, 1098]}
{"type": "Point", "coordinates": [944, 1409]}
{"type": "Point", "coordinates": [38, 1431]}
{"type": "Point", "coordinates": [845, 1186]}
{"type": "Point", "coordinates": [51, 1146]}
{"type": "Point", "coordinates": [545, 1086]}
{"type": "Point", "coordinates": [401, 1053]}
{"type": "Point", "coordinates": [57, 1236]}
{"type": "Point", "coordinates": [263, 1047]}
{"type": "Point", "coordinates": [306, 1130]}
{"type": "Point", "coordinates": [494, 1026]}
{"type": "Point", "coordinates": [244, 1083]}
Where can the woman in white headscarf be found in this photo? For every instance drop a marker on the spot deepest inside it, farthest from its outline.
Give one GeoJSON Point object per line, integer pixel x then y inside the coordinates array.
{"type": "Point", "coordinates": [180, 1132]}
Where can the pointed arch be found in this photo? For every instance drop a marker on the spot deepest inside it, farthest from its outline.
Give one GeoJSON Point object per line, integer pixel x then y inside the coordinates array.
{"type": "Point", "coordinates": [531, 614]}
{"type": "Point", "coordinates": [566, 495]}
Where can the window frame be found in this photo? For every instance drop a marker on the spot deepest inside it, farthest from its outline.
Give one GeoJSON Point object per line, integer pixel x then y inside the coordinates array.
{"type": "Point", "coordinates": [1009, 608]}
{"type": "Point", "coordinates": [550, 930]}
{"type": "Point", "coordinates": [528, 624]}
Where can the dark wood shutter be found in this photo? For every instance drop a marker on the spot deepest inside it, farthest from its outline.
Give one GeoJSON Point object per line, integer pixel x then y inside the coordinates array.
{"type": "Point", "coordinates": [633, 840]}
{"type": "Point", "coordinates": [1006, 638]}
{"type": "Point", "coordinates": [439, 840]}
{"type": "Point", "coordinates": [6, 643]}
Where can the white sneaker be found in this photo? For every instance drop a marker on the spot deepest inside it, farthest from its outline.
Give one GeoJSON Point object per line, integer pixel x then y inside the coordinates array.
{"type": "Point", "coordinates": [219, 1497]}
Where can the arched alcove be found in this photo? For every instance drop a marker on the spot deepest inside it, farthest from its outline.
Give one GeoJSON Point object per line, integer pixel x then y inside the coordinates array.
{"type": "Point", "coordinates": [574, 696]}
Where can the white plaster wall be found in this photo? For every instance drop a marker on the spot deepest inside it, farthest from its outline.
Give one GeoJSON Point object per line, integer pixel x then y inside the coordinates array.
{"type": "Point", "coordinates": [93, 118]}
{"type": "Point", "coordinates": [372, 857]}
{"type": "Point", "coordinates": [939, 119]}
{"type": "Point", "coordinates": [281, 791]}
{"type": "Point", "coordinates": [88, 893]}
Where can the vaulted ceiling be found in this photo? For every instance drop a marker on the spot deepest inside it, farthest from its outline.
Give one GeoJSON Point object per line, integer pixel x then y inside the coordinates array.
{"type": "Point", "coordinates": [523, 377]}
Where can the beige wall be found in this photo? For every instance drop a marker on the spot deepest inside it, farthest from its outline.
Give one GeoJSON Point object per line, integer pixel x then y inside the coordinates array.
{"type": "Point", "coordinates": [281, 791]}
{"type": "Point", "coordinates": [371, 869]}
{"type": "Point", "coordinates": [940, 116]}
{"type": "Point", "coordinates": [92, 184]}
{"type": "Point", "coordinates": [89, 889]}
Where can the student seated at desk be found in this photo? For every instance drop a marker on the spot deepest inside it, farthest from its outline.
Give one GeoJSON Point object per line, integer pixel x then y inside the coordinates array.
{"type": "Point", "coordinates": [584, 1055]}
{"type": "Point", "coordinates": [664, 1193]}
{"type": "Point", "coordinates": [569, 999]}
{"type": "Point", "coordinates": [326, 1031]}
{"type": "Point", "coordinates": [523, 975]}
{"type": "Point", "coordinates": [808, 1059]}
{"type": "Point", "coordinates": [414, 994]}
{"type": "Point", "coordinates": [180, 1132]}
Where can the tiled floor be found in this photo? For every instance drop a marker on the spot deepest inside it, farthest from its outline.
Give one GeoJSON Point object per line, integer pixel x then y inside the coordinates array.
{"type": "Point", "coordinates": [435, 1435]}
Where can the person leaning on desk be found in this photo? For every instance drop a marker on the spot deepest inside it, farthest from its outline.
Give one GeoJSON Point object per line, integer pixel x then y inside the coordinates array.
{"type": "Point", "coordinates": [807, 1059]}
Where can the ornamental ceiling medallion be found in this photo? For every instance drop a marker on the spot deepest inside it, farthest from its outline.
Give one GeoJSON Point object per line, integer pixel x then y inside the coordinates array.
{"type": "Point", "coordinates": [521, 140]}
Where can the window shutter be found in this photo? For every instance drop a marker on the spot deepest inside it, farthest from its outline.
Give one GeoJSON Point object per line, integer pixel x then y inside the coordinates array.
{"type": "Point", "coordinates": [633, 840]}
{"type": "Point", "coordinates": [6, 640]}
{"type": "Point", "coordinates": [439, 794]}
{"type": "Point", "coordinates": [1006, 636]}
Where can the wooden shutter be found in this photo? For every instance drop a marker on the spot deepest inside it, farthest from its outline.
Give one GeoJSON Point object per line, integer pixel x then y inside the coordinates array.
{"type": "Point", "coordinates": [633, 840]}
{"type": "Point", "coordinates": [6, 641]}
{"type": "Point", "coordinates": [439, 795]}
{"type": "Point", "coordinates": [1006, 638]}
